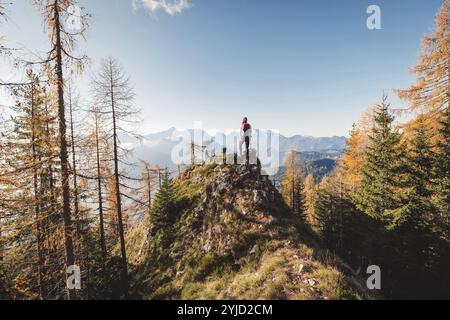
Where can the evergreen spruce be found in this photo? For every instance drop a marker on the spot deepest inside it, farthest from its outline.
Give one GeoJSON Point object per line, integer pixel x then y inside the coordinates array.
{"type": "Point", "coordinates": [163, 212]}
{"type": "Point", "coordinates": [443, 175]}
{"type": "Point", "coordinates": [415, 218]}
{"type": "Point", "coordinates": [416, 209]}
{"type": "Point", "coordinates": [341, 226]}
{"type": "Point", "coordinates": [300, 199]}
{"type": "Point", "coordinates": [378, 196]}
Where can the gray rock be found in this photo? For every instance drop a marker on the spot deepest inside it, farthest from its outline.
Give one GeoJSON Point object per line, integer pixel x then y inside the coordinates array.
{"type": "Point", "coordinates": [259, 197]}
{"type": "Point", "coordinates": [207, 246]}
{"type": "Point", "coordinates": [311, 282]}
{"type": "Point", "coordinates": [179, 274]}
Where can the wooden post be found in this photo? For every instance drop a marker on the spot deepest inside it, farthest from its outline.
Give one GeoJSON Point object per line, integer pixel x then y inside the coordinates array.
{"type": "Point", "coordinates": [224, 155]}
{"type": "Point", "coordinates": [235, 158]}
{"type": "Point", "coordinates": [192, 153]}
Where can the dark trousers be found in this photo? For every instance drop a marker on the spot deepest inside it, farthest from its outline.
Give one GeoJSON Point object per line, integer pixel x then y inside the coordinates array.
{"type": "Point", "coordinates": [246, 140]}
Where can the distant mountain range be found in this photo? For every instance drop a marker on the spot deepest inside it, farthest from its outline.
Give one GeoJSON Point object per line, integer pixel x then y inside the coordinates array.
{"type": "Point", "coordinates": [317, 164]}
{"type": "Point", "coordinates": [156, 148]}
{"type": "Point", "coordinates": [313, 144]}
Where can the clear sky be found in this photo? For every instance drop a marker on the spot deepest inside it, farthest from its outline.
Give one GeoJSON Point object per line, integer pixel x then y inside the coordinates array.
{"type": "Point", "coordinates": [300, 66]}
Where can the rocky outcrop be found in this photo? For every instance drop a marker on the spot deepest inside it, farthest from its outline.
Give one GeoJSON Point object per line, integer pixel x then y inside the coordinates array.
{"type": "Point", "coordinates": [234, 227]}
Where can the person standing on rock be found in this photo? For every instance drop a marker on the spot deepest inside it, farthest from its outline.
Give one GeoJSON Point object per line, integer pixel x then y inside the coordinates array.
{"type": "Point", "coordinates": [246, 135]}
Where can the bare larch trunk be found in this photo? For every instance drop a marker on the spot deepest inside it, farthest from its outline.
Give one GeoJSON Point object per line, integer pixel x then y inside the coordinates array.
{"type": "Point", "coordinates": [41, 261]}
{"type": "Point", "coordinates": [68, 241]}
{"type": "Point", "coordinates": [74, 168]}
{"type": "Point", "coordinates": [117, 185]}
{"type": "Point", "coordinates": [99, 185]}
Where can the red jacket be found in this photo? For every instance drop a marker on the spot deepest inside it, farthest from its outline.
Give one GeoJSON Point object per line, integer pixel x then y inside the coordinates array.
{"type": "Point", "coordinates": [246, 126]}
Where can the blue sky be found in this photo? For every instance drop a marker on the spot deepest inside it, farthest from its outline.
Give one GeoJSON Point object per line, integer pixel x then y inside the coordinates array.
{"type": "Point", "coordinates": [300, 66]}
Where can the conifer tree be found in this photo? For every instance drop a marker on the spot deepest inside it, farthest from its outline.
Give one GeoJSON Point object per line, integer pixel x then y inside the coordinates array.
{"type": "Point", "coordinates": [147, 176]}
{"type": "Point", "coordinates": [163, 212]}
{"type": "Point", "coordinates": [292, 186]}
{"type": "Point", "coordinates": [114, 95]}
{"type": "Point", "coordinates": [74, 165]}
{"type": "Point", "coordinates": [325, 207]}
{"type": "Point", "coordinates": [430, 93]}
{"type": "Point", "coordinates": [378, 195]}
{"type": "Point", "coordinates": [29, 126]}
{"type": "Point", "coordinates": [96, 142]}
{"type": "Point", "coordinates": [143, 194]}
{"type": "Point", "coordinates": [27, 153]}
{"type": "Point", "coordinates": [60, 55]}
{"type": "Point", "coordinates": [300, 196]}
{"type": "Point", "coordinates": [443, 175]}
{"type": "Point", "coordinates": [416, 208]}
{"type": "Point", "coordinates": [310, 195]}
{"type": "Point", "coordinates": [337, 220]}
{"type": "Point", "coordinates": [353, 159]}
{"type": "Point", "coordinates": [415, 218]}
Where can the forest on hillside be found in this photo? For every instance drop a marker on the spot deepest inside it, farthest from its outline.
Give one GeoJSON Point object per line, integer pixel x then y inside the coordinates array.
{"type": "Point", "coordinates": [70, 196]}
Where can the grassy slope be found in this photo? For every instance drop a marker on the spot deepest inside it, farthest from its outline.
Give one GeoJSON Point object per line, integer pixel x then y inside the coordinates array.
{"type": "Point", "coordinates": [235, 239]}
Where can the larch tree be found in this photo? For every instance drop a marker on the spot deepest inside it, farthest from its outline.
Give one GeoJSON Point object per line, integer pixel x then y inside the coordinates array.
{"type": "Point", "coordinates": [145, 191]}
{"type": "Point", "coordinates": [114, 94]}
{"type": "Point", "coordinates": [60, 56]}
{"type": "Point", "coordinates": [27, 154]}
{"type": "Point", "coordinates": [71, 103]}
{"type": "Point", "coordinates": [96, 169]}
{"type": "Point", "coordinates": [292, 187]}
{"type": "Point", "coordinates": [4, 180]}
{"type": "Point", "coordinates": [431, 93]}
{"type": "Point", "coordinates": [36, 131]}
{"type": "Point", "coordinates": [98, 138]}
{"type": "Point", "coordinates": [24, 197]}
{"type": "Point", "coordinates": [353, 159]}
{"type": "Point", "coordinates": [147, 176]}
{"type": "Point", "coordinates": [310, 194]}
